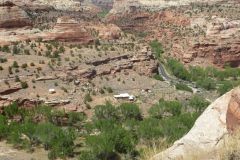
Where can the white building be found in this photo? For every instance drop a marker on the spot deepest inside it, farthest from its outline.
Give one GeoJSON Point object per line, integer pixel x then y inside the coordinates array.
{"type": "Point", "coordinates": [52, 91]}
{"type": "Point", "coordinates": [124, 96]}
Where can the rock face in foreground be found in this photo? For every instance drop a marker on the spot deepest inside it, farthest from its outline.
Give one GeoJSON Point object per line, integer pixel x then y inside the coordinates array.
{"type": "Point", "coordinates": [233, 112]}
{"type": "Point", "coordinates": [12, 16]}
{"type": "Point", "coordinates": [219, 119]}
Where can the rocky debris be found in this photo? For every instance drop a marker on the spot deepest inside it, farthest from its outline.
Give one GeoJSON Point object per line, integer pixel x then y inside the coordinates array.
{"type": "Point", "coordinates": [79, 74]}
{"type": "Point", "coordinates": [86, 73]}
{"type": "Point", "coordinates": [12, 16]}
{"type": "Point", "coordinates": [46, 78]}
{"type": "Point", "coordinates": [119, 66]}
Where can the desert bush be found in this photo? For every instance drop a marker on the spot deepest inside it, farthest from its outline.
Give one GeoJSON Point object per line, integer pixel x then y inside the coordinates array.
{"type": "Point", "coordinates": [225, 87]}
{"type": "Point", "coordinates": [24, 84]}
{"type": "Point", "coordinates": [198, 103]}
{"type": "Point", "coordinates": [184, 87]}
{"type": "Point", "coordinates": [206, 83]}
{"type": "Point", "coordinates": [107, 111]}
{"type": "Point", "coordinates": [165, 108]}
{"type": "Point", "coordinates": [87, 98]}
{"type": "Point", "coordinates": [157, 48]}
{"type": "Point", "coordinates": [146, 130]}
{"type": "Point", "coordinates": [129, 111]}
{"type": "Point", "coordinates": [178, 69]}
{"type": "Point", "coordinates": [15, 64]}
{"type": "Point", "coordinates": [158, 77]}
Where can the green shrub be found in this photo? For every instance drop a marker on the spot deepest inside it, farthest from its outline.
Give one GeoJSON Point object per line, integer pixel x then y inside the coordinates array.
{"type": "Point", "coordinates": [158, 77]}
{"type": "Point", "coordinates": [3, 60]}
{"type": "Point", "coordinates": [15, 50]}
{"type": "Point", "coordinates": [177, 126]}
{"type": "Point", "coordinates": [227, 86]}
{"type": "Point", "coordinates": [157, 48]}
{"type": "Point", "coordinates": [74, 117]}
{"type": "Point", "coordinates": [198, 103]}
{"type": "Point", "coordinates": [107, 111]}
{"type": "Point", "coordinates": [24, 65]}
{"type": "Point", "coordinates": [15, 64]}
{"type": "Point", "coordinates": [206, 83]}
{"type": "Point", "coordinates": [5, 49]}
{"type": "Point", "coordinates": [178, 69]}
{"type": "Point", "coordinates": [24, 85]}
{"type": "Point", "coordinates": [3, 127]}
{"type": "Point", "coordinates": [165, 107]}
{"type": "Point", "coordinates": [109, 89]}
{"type": "Point", "coordinates": [87, 98]}
{"type": "Point", "coordinates": [150, 129]}
{"type": "Point", "coordinates": [129, 111]}
{"type": "Point", "coordinates": [107, 145]}
{"type": "Point", "coordinates": [184, 87]}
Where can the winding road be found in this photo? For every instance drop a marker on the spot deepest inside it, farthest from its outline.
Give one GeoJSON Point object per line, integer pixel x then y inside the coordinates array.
{"type": "Point", "coordinates": [166, 77]}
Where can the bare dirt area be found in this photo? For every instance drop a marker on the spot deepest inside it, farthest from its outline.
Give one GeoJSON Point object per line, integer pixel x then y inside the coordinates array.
{"type": "Point", "coordinates": [8, 153]}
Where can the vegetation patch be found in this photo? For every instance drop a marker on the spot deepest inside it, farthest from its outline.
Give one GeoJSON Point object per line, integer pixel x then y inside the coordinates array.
{"type": "Point", "coordinates": [184, 87]}
{"type": "Point", "coordinates": [114, 132]}
{"type": "Point", "coordinates": [208, 78]}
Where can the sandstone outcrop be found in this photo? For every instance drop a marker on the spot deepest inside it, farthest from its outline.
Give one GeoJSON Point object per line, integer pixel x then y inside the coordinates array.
{"type": "Point", "coordinates": [107, 31]}
{"type": "Point", "coordinates": [69, 30]}
{"type": "Point", "coordinates": [66, 29]}
{"type": "Point", "coordinates": [210, 129]}
{"type": "Point", "coordinates": [12, 16]}
{"type": "Point", "coordinates": [233, 112]}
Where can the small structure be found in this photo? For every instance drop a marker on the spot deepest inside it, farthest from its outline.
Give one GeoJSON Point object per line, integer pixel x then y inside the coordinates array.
{"type": "Point", "coordinates": [124, 96]}
{"type": "Point", "coordinates": [52, 91]}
